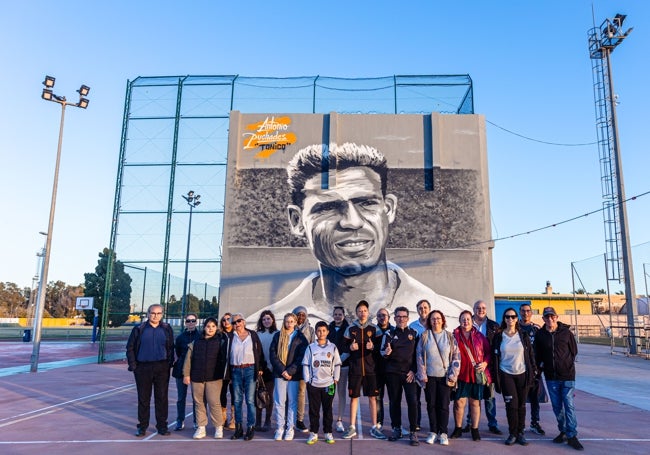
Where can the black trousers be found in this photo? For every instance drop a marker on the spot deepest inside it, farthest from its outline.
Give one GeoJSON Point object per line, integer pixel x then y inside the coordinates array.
{"type": "Point", "coordinates": [514, 395]}
{"type": "Point", "coordinates": [148, 376]}
{"type": "Point", "coordinates": [395, 384]}
{"type": "Point", "coordinates": [318, 397]}
{"type": "Point", "coordinates": [381, 386]}
{"type": "Point", "coordinates": [437, 394]}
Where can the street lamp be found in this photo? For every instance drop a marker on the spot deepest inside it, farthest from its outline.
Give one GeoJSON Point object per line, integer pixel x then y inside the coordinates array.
{"type": "Point", "coordinates": [49, 95]}
{"type": "Point", "coordinates": [192, 200]}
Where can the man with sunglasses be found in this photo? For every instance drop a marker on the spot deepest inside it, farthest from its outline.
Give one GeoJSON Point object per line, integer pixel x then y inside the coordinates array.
{"type": "Point", "coordinates": [555, 352]}
{"type": "Point", "coordinates": [189, 335]}
{"type": "Point", "coordinates": [150, 354]}
{"type": "Point", "coordinates": [246, 362]}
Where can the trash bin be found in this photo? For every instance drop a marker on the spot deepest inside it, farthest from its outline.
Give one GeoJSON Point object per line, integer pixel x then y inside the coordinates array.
{"type": "Point", "coordinates": [27, 335]}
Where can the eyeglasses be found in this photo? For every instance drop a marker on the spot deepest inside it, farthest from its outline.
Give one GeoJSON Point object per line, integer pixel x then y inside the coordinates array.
{"type": "Point", "coordinates": [238, 321]}
{"type": "Point", "coordinates": [399, 316]}
{"type": "Point", "coordinates": [190, 321]}
{"type": "Point", "coordinates": [510, 316]}
{"type": "Point", "coordinates": [225, 320]}
{"type": "Point", "coordinates": [159, 313]}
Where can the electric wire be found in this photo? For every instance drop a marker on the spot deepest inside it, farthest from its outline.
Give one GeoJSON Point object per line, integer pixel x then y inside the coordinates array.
{"type": "Point", "coordinates": [539, 140]}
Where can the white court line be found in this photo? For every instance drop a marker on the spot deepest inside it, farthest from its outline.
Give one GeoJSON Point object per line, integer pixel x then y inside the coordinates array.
{"type": "Point", "coordinates": [54, 407]}
{"type": "Point", "coordinates": [238, 442]}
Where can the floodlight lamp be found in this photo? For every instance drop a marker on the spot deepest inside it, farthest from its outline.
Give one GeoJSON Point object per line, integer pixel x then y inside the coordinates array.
{"type": "Point", "coordinates": [190, 194]}
{"type": "Point", "coordinates": [49, 82]}
{"type": "Point", "coordinates": [47, 94]}
{"type": "Point", "coordinates": [83, 90]}
{"type": "Point", "coordinates": [196, 203]}
{"type": "Point", "coordinates": [197, 197]}
{"type": "Point", "coordinates": [83, 103]}
{"type": "Point", "coordinates": [619, 18]}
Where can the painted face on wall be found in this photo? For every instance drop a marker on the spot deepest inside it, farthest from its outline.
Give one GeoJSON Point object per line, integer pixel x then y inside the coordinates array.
{"type": "Point", "coordinates": [346, 225]}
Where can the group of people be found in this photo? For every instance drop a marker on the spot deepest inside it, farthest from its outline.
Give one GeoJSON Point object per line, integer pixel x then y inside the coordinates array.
{"type": "Point", "coordinates": [467, 365]}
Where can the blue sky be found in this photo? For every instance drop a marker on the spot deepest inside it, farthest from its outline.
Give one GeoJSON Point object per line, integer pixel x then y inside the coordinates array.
{"type": "Point", "coordinates": [528, 60]}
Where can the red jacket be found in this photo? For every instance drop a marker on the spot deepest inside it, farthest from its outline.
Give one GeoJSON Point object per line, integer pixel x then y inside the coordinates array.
{"type": "Point", "coordinates": [480, 348]}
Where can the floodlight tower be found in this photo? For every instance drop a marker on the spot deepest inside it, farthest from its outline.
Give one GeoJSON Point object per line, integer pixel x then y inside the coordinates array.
{"type": "Point", "coordinates": [602, 42]}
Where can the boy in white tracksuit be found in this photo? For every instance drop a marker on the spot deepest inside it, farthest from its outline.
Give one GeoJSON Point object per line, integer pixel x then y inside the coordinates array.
{"type": "Point", "coordinates": [321, 370]}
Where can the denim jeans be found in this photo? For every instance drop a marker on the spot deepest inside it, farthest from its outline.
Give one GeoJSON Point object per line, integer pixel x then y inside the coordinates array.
{"type": "Point", "coordinates": [243, 384]}
{"type": "Point", "coordinates": [561, 394]}
{"type": "Point", "coordinates": [181, 397]}
{"type": "Point", "coordinates": [285, 393]}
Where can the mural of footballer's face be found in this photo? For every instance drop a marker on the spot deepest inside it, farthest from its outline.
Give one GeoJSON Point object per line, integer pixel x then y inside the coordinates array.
{"type": "Point", "coordinates": [346, 225]}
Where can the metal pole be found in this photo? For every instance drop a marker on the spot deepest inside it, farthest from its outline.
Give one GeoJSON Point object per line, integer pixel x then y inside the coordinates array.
{"type": "Point", "coordinates": [40, 302]}
{"type": "Point", "coordinates": [187, 262]}
{"type": "Point", "coordinates": [575, 309]}
{"type": "Point", "coordinates": [144, 287]}
{"type": "Point", "coordinates": [630, 294]}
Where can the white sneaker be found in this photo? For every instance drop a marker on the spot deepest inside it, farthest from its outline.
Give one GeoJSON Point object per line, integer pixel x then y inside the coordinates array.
{"type": "Point", "coordinates": [443, 439]}
{"type": "Point", "coordinates": [199, 433]}
{"type": "Point", "coordinates": [288, 435]}
{"type": "Point", "coordinates": [218, 433]}
{"type": "Point", "coordinates": [278, 435]}
{"type": "Point", "coordinates": [312, 439]}
{"type": "Point", "coordinates": [329, 438]}
{"type": "Point", "coordinates": [340, 428]}
{"type": "Point", "coordinates": [431, 438]}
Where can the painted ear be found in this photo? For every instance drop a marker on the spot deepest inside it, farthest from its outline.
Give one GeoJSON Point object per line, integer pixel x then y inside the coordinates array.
{"type": "Point", "coordinates": [295, 220]}
{"type": "Point", "coordinates": [391, 206]}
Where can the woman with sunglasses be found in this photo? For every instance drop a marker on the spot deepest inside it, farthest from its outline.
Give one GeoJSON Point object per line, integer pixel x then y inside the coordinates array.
{"type": "Point", "coordinates": [513, 370]}
{"type": "Point", "coordinates": [225, 327]}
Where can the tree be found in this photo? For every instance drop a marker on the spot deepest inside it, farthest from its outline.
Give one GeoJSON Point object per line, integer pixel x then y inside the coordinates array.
{"type": "Point", "coordinates": [13, 303]}
{"type": "Point", "coordinates": [599, 291]}
{"type": "Point", "coordinates": [60, 299]}
{"type": "Point", "coordinates": [581, 291]}
{"type": "Point", "coordinates": [120, 297]}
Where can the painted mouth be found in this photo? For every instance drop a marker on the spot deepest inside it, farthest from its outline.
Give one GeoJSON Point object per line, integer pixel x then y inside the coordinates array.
{"type": "Point", "coordinates": [354, 246]}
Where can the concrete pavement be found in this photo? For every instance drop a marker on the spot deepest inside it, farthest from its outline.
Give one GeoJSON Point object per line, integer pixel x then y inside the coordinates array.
{"type": "Point", "coordinates": [82, 407]}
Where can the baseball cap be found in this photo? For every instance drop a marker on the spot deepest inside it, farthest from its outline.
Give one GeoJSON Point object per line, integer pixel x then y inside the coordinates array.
{"type": "Point", "coordinates": [549, 310]}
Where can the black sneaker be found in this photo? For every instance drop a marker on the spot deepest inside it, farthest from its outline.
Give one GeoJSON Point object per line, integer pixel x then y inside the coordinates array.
{"type": "Point", "coordinates": [521, 440]}
{"type": "Point", "coordinates": [536, 428]}
{"type": "Point", "coordinates": [413, 439]}
{"type": "Point", "coordinates": [511, 440]}
{"type": "Point", "coordinates": [495, 430]}
{"type": "Point", "coordinates": [476, 436]}
{"type": "Point", "coordinates": [300, 425]}
{"type": "Point", "coordinates": [395, 435]}
{"type": "Point", "coordinates": [560, 438]}
{"type": "Point", "coordinates": [179, 425]}
{"type": "Point", "coordinates": [573, 442]}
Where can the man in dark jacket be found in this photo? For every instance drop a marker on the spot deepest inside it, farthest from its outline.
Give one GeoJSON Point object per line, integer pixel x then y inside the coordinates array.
{"type": "Point", "coordinates": [555, 352]}
{"type": "Point", "coordinates": [150, 354]}
{"type": "Point", "coordinates": [383, 322]}
{"type": "Point", "coordinates": [336, 331]}
{"type": "Point", "coordinates": [189, 335]}
{"type": "Point", "coordinates": [527, 325]}
{"type": "Point", "coordinates": [398, 351]}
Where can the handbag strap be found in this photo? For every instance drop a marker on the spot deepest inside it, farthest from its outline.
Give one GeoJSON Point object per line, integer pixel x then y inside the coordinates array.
{"type": "Point", "coordinates": [469, 352]}
{"type": "Point", "coordinates": [442, 358]}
